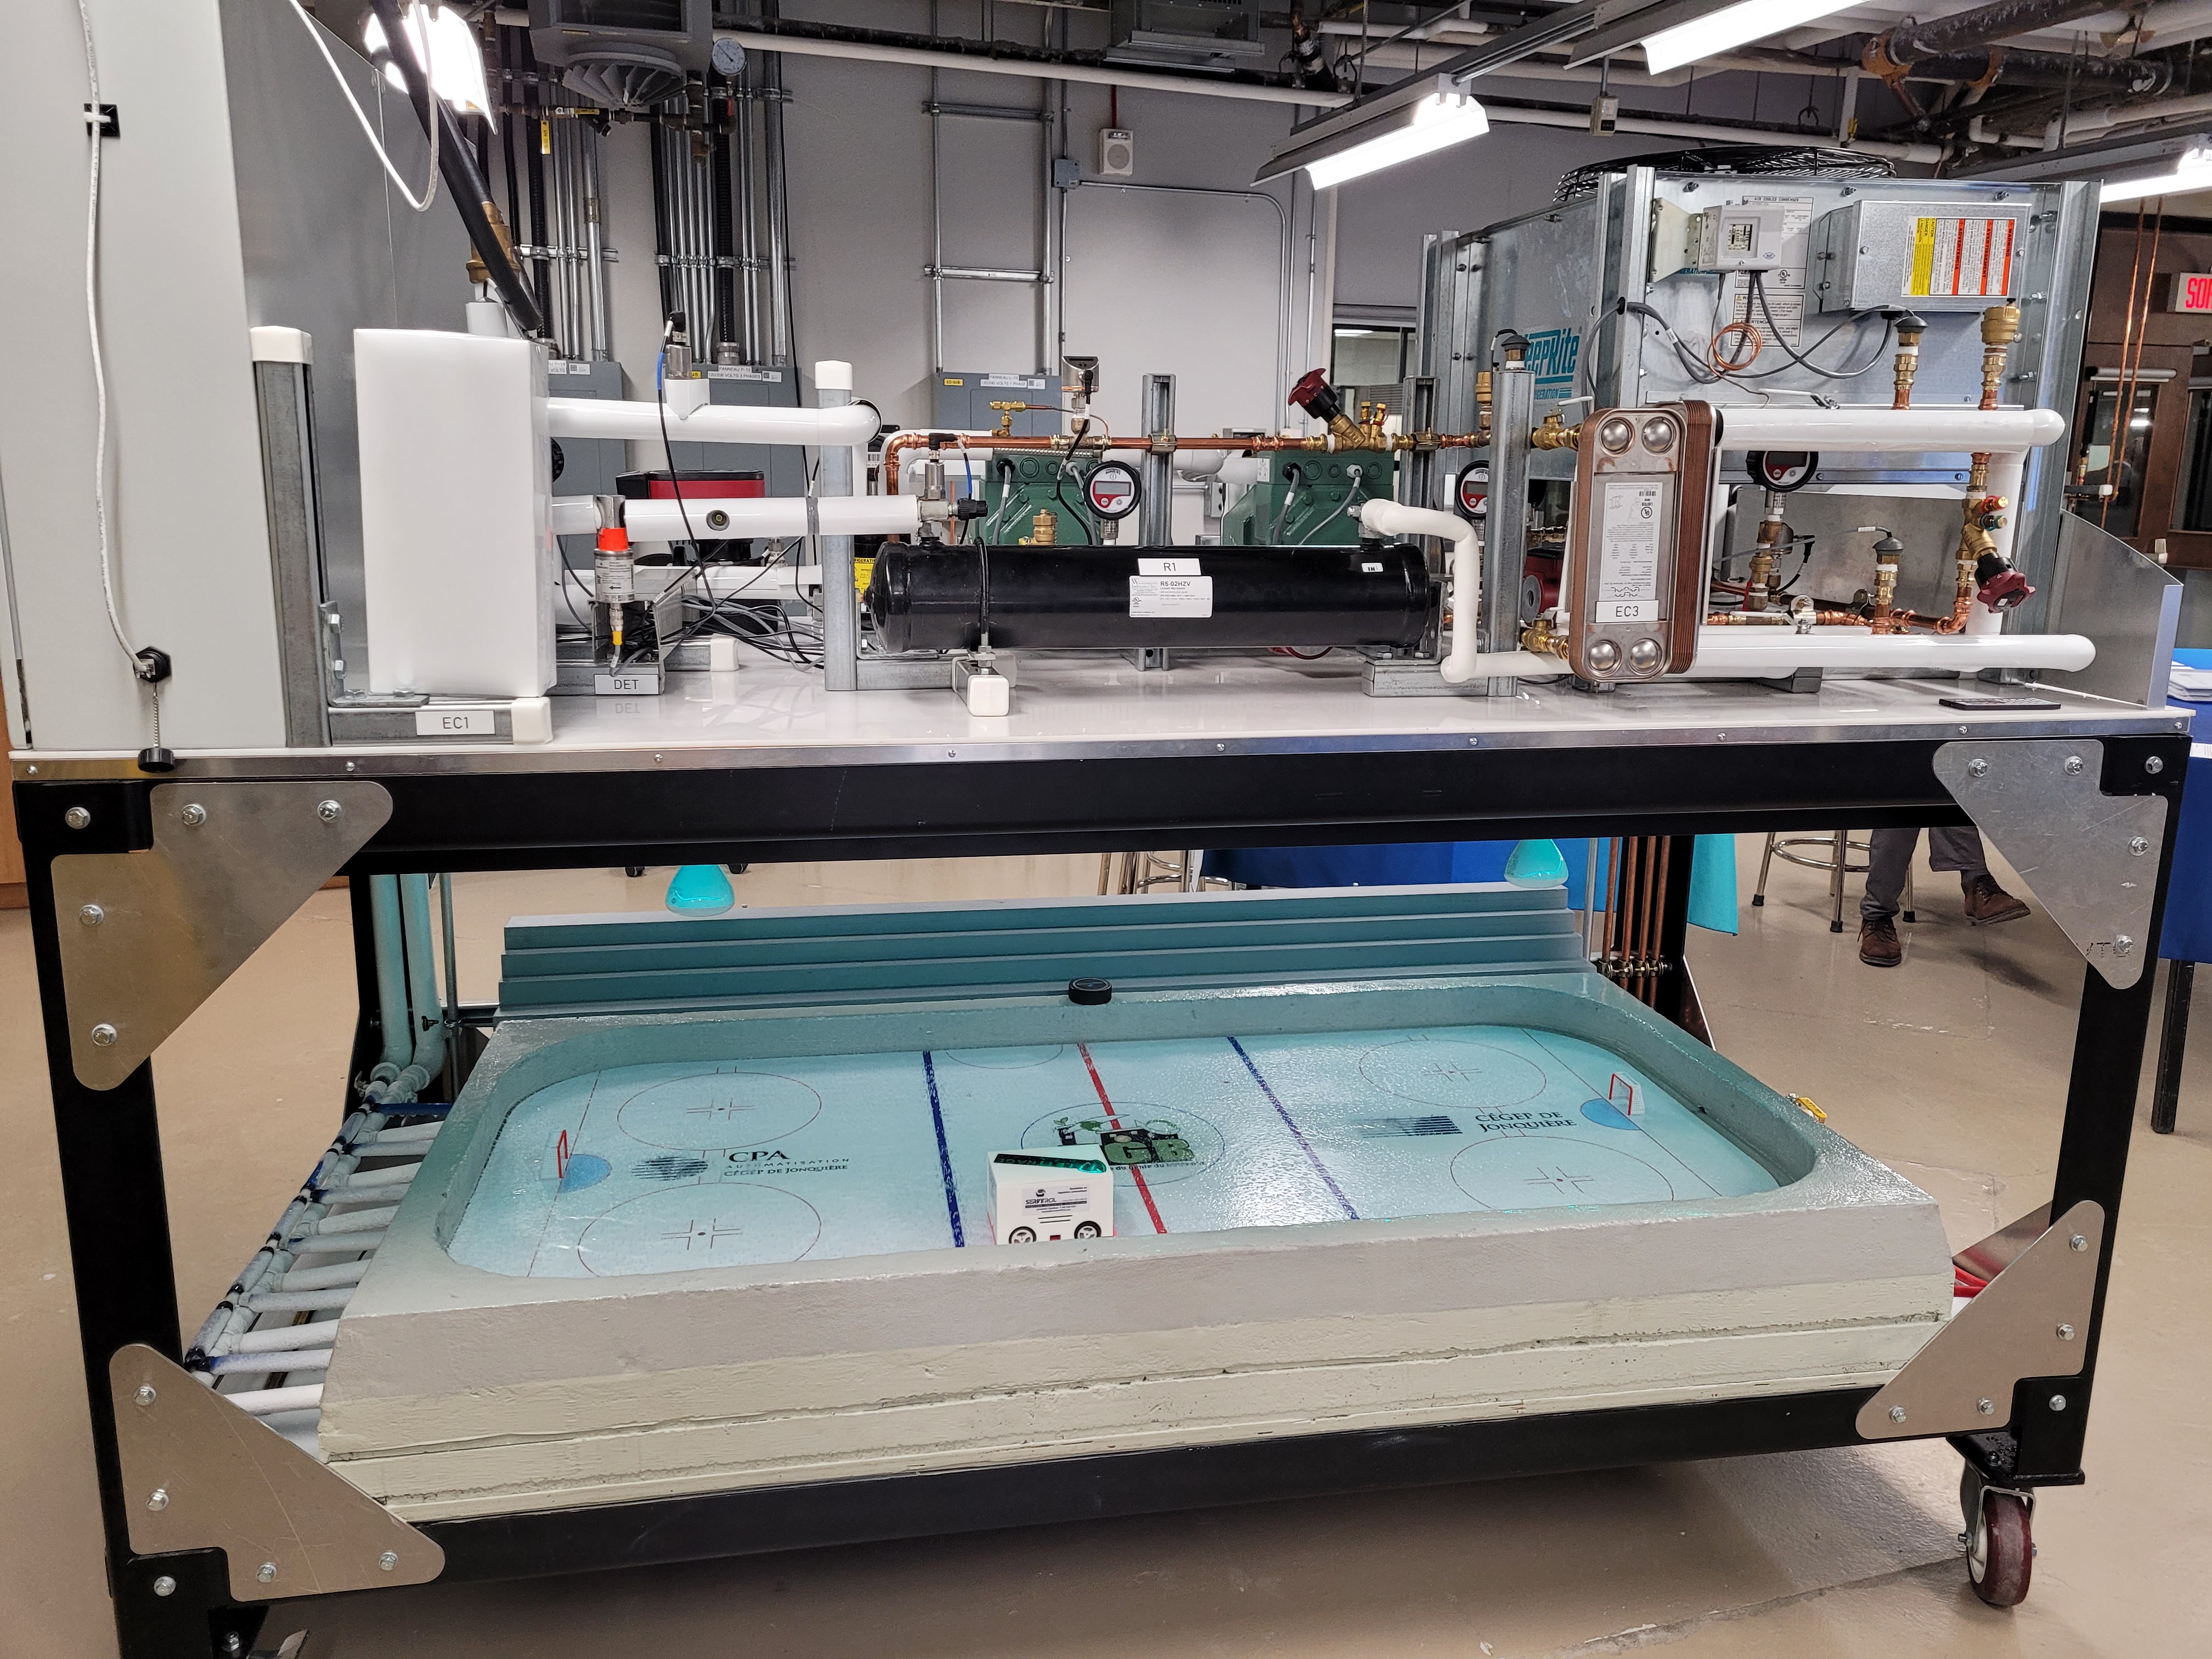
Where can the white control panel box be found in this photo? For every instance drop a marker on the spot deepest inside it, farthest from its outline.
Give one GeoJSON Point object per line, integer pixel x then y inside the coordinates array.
{"type": "Point", "coordinates": [1045, 1193]}
{"type": "Point", "coordinates": [1919, 256]}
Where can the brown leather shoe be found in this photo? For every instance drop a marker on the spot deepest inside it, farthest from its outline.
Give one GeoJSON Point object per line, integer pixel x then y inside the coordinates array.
{"type": "Point", "coordinates": [1879, 945]}
{"type": "Point", "coordinates": [1986, 902]}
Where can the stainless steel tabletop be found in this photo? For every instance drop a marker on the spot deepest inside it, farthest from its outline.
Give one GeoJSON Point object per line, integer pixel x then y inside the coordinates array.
{"type": "Point", "coordinates": [770, 714]}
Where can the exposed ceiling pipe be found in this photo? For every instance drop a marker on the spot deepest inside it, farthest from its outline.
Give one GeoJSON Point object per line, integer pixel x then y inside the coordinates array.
{"type": "Point", "coordinates": [2017, 66]}
{"type": "Point", "coordinates": [1031, 63]}
{"type": "Point", "coordinates": [1503, 110]}
{"type": "Point", "coordinates": [1894, 51]}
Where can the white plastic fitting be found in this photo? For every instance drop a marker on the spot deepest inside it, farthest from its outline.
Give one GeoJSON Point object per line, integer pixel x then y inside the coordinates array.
{"type": "Point", "coordinates": [1463, 662]}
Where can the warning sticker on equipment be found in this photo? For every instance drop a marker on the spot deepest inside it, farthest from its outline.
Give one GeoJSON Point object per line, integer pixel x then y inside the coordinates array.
{"type": "Point", "coordinates": [1957, 258]}
{"type": "Point", "coordinates": [1170, 596]}
{"type": "Point", "coordinates": [1628, 554]}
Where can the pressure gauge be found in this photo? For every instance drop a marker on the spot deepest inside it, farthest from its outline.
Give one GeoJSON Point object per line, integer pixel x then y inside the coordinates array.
{"type": "Point", "coordinates": [1475, 492]}
{"type": "Point", "coordinates": [729, 59]}
{"type": "Point", "coordinates": [1781, 469]}
{"type": "Point", "coordinates": [1111, 489]}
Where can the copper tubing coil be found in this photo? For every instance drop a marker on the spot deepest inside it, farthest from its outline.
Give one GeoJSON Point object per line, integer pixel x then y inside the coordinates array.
{"type": "Point", "coordinates": [1257, 446]}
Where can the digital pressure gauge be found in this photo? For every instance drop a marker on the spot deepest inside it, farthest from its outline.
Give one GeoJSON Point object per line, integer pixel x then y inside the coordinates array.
{"type": "Point", "coordinates": [1111, 489]}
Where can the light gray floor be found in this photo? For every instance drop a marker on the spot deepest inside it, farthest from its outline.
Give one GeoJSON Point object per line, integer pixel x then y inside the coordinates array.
{"type": "Point", "coordinates": [1952, 1068]}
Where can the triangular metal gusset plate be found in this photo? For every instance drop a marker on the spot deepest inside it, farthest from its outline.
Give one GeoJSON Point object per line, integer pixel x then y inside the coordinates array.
{"type": "Point", "coordinates": [200, 1474]}
{"type": "Point", "coordinates": [2091, 857]}
{"type": "Point", "coordinates": [146, 936]}
{"type": "Point", "coordinates": [2032, 1320]}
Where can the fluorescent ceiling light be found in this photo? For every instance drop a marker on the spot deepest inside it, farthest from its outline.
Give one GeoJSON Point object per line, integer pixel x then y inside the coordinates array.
{"type": "Point", "coordinates": [1437, 122]}
{"type": "Point", "coordinates": [1731, 25]}
{"type": "Point", "coordinates": [445, 43]}
{"type": "Point", "coordinates": [2192, 172]}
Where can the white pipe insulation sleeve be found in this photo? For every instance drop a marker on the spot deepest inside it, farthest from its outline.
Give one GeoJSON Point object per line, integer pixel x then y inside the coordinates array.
{"type": "Point", "coordinates": [1863, 431]}
{"type": "Point", "coordinates": [1726, 654]}
{"type": "Point", "coordinates": [747, 516]}
{"type": "Point", "coordinates": [1463, 662]}
{"type": "Point", "coordinates": [712, 424]}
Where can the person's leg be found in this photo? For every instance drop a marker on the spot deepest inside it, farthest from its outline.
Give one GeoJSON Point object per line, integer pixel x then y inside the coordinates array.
{"type": "Point", "coordinates": [1889, 858]}
{"type": "Point", "coordinates": [1984, 901]}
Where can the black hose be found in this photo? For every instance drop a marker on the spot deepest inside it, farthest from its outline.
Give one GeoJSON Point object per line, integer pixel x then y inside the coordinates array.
{"type": "Point", "coordinates": [464, 179]}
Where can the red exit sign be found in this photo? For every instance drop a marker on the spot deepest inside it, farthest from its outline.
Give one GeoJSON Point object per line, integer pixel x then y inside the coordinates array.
{"type": "Point", "coordinates": [2192, 291]}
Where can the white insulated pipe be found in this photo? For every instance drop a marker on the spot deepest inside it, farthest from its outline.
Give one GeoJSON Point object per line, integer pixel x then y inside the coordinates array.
{"type": "Point", "coordinates": [1382, 517]}
{"type": "Point", "coordinates": [1728, 653]}
{"type": "Point", "coordinates": [1026, 70]}
{"type": "Point", "coordinates": [1875, 429]}
{"type": "Point", "coordinates": [709, 423]}
{"type": "Point", "coordinates": [749, 516]}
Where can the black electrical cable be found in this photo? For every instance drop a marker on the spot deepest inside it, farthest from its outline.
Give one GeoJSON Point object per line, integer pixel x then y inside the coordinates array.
{"type": "Point", "coordinates": [1759, 291]}
{"type": "Point", "coordinates": [465, 179]}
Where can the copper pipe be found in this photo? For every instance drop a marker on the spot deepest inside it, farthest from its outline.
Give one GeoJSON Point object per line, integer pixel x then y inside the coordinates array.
{"type": "Point", "coordinates": [1655, 900]}
{"type": "Point", "coordinates": [1631, 860]}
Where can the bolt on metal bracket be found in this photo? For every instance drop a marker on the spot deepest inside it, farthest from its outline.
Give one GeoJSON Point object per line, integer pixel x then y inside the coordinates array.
{"type": "Point", "coordinates": [2091, 857]}
{"type": "Point", "coordinates": [1961, 1381]}
{"type": "Point", "coordinates": [287, 1524]}
{"type": "Point", "coordinates": [146, 936]}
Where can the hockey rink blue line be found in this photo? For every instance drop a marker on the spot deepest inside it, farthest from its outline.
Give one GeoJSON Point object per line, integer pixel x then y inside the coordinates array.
{"type": "Point", "coordinates": [944, 1152]}
{"type": "Point", "coordinates": [1298, 1134]}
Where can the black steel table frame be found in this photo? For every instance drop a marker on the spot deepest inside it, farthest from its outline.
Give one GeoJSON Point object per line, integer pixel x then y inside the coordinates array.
{"type": "Point", "coordinates": [117, 1218]}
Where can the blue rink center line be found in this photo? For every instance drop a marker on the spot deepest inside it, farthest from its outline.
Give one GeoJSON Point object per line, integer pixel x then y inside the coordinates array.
{"type": "Point", "coordinates": [943, 1150]}
{"type": "Point", "coordinates": [1292, 1123]}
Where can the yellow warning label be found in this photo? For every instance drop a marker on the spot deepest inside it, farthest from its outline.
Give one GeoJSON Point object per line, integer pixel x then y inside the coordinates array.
{"type": "Point", "coordinates": [949, 380]}
{"type": "Point", "coordinates": [863, 571]}
{"type": "Point", "coordinates": [1924, 256]}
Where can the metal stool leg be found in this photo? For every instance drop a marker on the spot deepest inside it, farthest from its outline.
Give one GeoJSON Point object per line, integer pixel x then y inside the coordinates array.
{"type": "Point", "coordinates": [1836, 881]}
{"type": "Point", "coordinates": [1766, 863]}
{"type": "Point", "coordinates": [2172, 1044]}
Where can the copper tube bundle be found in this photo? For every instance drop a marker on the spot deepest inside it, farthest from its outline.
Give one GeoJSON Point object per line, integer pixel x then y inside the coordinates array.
{"type": "Point", "coordinates": [1636, 890]}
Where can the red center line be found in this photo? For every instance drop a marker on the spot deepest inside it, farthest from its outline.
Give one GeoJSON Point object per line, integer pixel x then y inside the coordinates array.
{"type": "Point", "coordinates": [1136, 1174]}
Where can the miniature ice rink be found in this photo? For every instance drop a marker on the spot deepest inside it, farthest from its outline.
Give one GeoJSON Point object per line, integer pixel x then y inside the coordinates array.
{"type": "Point", "coordinates": [664, 1168]}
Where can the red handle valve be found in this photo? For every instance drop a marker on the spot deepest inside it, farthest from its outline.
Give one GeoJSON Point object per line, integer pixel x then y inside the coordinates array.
{"type": "Point", "coordinates": [1317, 397]}
{"type": "Point", "coordinates": [2005, 590]}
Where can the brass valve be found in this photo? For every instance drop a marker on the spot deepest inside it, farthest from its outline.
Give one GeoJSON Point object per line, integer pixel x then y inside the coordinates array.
{"type": "Point", "coordinates": [1543, 637]}
{"type": "Point", "coordinates": [1044, 529]}
{"type": "Point", "coordinates": [1910, 328]}
{"type": "Point", "coordinates": [1006, 413]}
{"type": "Point", "coordinates": [1556, 433]}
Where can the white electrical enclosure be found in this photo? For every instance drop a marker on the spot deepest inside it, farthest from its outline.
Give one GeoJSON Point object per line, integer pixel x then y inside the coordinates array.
{"type": "Point", "coordinates": [456, 493]}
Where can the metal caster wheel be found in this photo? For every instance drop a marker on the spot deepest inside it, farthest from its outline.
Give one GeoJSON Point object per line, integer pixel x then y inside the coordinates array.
{"type": "Point", "coordinates": [2000, 1544]}
{"type": "Point", "coordinates": [632, 871]}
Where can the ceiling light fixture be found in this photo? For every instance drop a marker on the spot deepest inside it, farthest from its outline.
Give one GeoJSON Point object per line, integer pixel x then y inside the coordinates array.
{"type": "Point", "coordinates": [2192, 172]}
{"type": "Point", "coordinates": [1417, 118]}
{"type": "Point", "coordinates": [1697, 37]}
{"type": "Point", "coordinates": [444, 43]}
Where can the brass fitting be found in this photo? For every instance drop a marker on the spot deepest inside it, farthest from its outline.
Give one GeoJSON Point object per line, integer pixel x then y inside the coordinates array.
{"type": "Point", "coordinates": [1006, 413]}
{"type": "Point", "coordinates": [1044, 529]}
{"type": "Point", "coordinates": [1556, 433]}
{"type": "Point", "coordinates": [478, 270]}
{"type": "Point", "coordinates": [1910, 328]}
{"type": "Point", "coordinates": [2000, 328]}
{"type": "Point", "coordinates": [1482, 387]}
{"type": "Point", "coordinates": [1541, 637]}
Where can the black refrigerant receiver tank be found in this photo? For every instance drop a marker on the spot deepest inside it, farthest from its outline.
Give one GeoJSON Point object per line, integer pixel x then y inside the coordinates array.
{"type": "Point", "coordinates": [926, 598]}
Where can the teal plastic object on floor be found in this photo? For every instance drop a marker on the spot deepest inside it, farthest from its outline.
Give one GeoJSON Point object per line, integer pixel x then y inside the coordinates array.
{"type": "Point", "coordinates": [1536, 864]}
{"type": "Point", "coordinates": [1712, 884]}
{"type": "Point", "coordinates": [700, 890]}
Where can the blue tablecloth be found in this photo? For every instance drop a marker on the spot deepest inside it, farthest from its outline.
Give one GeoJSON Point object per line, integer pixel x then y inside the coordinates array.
{"type": "Point", "coordinates": [2187, 935]}
{"type": "Point", "coordinates": [1713, 872]}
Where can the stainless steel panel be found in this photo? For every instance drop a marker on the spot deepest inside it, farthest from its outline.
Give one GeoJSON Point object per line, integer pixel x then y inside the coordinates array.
{"type": "Point", "coordinates": [287, 477]}
{"type": "Point", "coordinates": [2129, 605]}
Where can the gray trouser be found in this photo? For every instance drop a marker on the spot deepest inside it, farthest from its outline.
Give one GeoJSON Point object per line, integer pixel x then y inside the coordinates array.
{"type": "Point", "coordinates": [1947, 849]}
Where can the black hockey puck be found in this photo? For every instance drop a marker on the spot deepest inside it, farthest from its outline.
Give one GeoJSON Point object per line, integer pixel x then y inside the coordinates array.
{"type": "Point", "coordinates": [1091, 991]}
